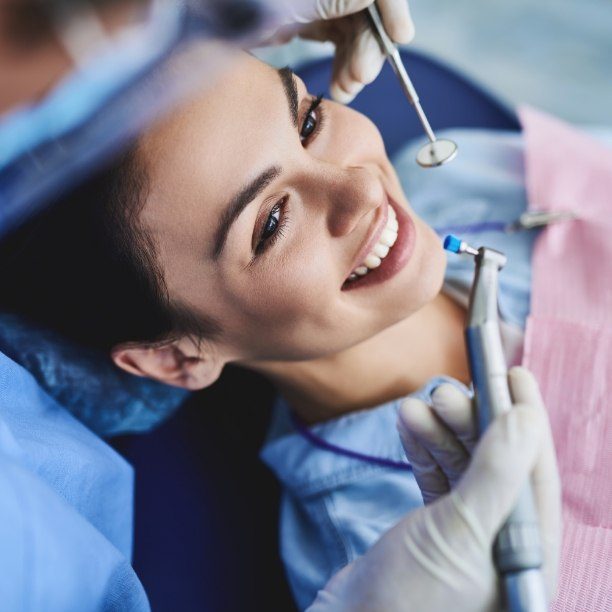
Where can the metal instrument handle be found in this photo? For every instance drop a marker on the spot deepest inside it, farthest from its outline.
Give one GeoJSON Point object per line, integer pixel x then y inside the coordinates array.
{"type": "Point", "coordinates": [517, 549]}
{"type": "Point", "coordinates": [389, 48]}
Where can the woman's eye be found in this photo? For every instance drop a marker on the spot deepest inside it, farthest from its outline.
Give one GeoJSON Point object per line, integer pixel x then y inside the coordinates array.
{"type": "Point", "coordinates": [312, 121]}
{"type": "Point", "coordinates": [274, 226]}
{"type": "Point", "coordinates": [271, 222]}
{"type": "Point", "coordinates": [309, 125]}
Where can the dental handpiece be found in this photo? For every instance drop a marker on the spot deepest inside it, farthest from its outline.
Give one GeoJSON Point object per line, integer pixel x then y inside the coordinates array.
{"type": "Point", "coordinates": [437, 151]}
{"type": "Point", "coordinates": [517, 549]}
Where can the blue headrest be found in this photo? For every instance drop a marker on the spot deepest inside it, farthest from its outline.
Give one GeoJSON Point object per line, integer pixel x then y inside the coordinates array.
{"type": "Point", "coordinates": [449, 99]}
{"type": "Point", "coordinates": [87, 383]}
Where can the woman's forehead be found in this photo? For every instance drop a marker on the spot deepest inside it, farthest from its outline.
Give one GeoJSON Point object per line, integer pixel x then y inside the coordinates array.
{"type": "Point", "coordinates": [211, 145]}
{"type": "Point", "coordinates": [213, 111]}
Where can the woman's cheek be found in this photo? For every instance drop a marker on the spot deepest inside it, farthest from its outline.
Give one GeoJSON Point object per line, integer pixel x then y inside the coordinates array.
{"type": "Point", "coordinates": [303, 286]}
{"type": "Point", "coordinates": [287, 292]}
{"type": "Point", "coordinates": [358, 134]}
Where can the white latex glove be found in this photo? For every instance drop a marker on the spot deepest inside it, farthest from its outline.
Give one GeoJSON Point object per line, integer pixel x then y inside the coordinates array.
{"type": "Point", "coordinates": [438, 558]}
{"type": "Point", "coordinates": [358, 57]}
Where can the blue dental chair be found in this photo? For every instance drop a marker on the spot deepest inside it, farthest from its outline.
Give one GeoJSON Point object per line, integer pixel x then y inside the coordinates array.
{"type": "Point", "coordinates": [206, 508]}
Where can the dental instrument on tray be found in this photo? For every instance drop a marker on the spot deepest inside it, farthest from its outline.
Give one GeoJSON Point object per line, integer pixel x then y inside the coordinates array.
{"type": "Point", "coordinates": [517, 550]}
{"type": "Point", "coordinates": [539, 218]}
{"type": "Point", "coordinates": [436, 152]}
{"type": "Point", "coordinates": [531, 220]}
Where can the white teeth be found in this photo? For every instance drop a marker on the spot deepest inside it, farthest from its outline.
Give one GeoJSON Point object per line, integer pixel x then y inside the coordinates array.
{"type": "Point", "coordinates": [381, 248]}
{"type": "Point", "coordinates": [372, 261]}
{"type": "Point", "coordinates": [388, 237]}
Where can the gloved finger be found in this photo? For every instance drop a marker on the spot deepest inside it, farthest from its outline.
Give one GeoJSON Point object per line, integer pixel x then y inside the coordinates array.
{"type": "Point", "coordinates": [524, 387]}
{"type": "Point", "coordinates": [321, 31]}
{"type": "Point", "coordinates": [342, 89]}
{"type": "Point", "coordinates": [331, 9]}
{"type": "Point", "coordinates": [397, 20]}
{"type": "Point", "coordinates": [358, 61]}
{"type": "Point", "coordinates": [430, 478]}
{"type": "Point", "coordinates": [545, 477]}
{"type": "Point", "coordinates": [500, 466]}
{"type": "Point", "coordinates": [457, 412]}
{"type": "Point", "coordinates": [280, 35]}
{"type": "Point", "coordinates": [440, 442]}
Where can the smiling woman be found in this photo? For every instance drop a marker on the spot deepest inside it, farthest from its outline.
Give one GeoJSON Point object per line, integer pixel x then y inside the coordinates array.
{"type": "Point", "coordinates": [267, 203]}
{"type": "Point", "coordinates": [258, 225]}
{"type": "Point", "coordinates": [244, 236]}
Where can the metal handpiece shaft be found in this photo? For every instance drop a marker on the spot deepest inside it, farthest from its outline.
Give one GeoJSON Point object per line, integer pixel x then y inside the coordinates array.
{"type": "Point", "coordinates": [517, 550]}
{"type": "Point", "coordinates": [390, 50]}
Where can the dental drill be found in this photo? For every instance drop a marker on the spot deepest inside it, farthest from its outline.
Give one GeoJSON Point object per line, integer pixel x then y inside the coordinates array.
{"type": "Point", "coordinates": [437, 151]}
{"type": "Point", "coordinates": [517, 550]}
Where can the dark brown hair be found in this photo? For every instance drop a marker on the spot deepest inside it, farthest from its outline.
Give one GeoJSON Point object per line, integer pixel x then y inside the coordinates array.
{"type": "Point", "coordinates": [88, 269]}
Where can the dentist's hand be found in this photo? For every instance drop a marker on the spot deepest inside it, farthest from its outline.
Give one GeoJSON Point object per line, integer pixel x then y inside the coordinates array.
{"type": "Point", "coordinates": [438, 558]}
{"type": "Point", "coordinates": [358, 58]}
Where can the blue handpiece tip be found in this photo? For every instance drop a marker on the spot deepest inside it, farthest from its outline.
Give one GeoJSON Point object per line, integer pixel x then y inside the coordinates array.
{"type": "Point", "coordinates": [452, 244]}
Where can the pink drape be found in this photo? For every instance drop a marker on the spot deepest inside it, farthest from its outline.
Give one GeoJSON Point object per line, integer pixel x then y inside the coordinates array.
{"type": "Point", "coordinates": [568, 344]}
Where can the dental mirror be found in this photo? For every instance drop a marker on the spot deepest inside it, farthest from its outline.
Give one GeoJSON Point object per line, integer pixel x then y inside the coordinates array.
{"type": "Point", "coordinates": [436, 152]}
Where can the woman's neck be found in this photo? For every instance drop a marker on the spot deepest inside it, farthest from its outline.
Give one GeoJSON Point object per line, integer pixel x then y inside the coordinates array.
{"type": "Point", "coordinates": [394, 363]}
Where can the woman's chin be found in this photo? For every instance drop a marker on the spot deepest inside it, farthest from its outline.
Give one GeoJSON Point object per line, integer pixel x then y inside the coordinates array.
{"type": "Point", "coordinates": [423, 276]}
{"type": "Point", "coordinates": [434, 260]}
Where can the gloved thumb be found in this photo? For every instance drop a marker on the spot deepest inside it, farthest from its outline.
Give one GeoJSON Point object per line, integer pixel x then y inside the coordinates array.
{"type": "Point", "coordinates": [313, 10]}
{"type": "Point", "coordinates": [500, 466]}
{"type": "Point", "coordinates": [395, 14]}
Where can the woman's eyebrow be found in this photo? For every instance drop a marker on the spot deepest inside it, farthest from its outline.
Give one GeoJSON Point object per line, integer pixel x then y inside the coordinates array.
{"type": "Point", "coordinates": [239, 202]}
{"type": "Point", "coordinates": [250, 191]}
{"type": "Point", "coordinates": [287, 78]}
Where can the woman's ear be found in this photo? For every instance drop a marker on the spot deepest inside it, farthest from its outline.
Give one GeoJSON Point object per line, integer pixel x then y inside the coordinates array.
{"type": "Point", "coordinates": [181, 363]}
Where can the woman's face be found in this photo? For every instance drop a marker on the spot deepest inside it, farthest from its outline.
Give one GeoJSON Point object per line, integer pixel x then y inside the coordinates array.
{"type": "Point", "coordinates": [262, 205]}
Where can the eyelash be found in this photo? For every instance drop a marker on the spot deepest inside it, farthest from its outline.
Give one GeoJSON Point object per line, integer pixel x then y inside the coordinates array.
{"type": "Point", "coordinates": [315, 111]}
{"type": "Point", "coordinates": [317, 116]}
{"type": "Point", "coordinates": [281, 224]}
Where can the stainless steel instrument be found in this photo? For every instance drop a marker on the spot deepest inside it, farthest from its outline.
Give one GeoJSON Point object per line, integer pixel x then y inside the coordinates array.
{"type": "Point", "coordinates": [517, 550]}
{"type": "Point", "coordinates": [436, 152]}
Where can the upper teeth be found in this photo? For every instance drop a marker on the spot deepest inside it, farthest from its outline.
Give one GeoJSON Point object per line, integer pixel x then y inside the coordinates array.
{"type": "Point", "coordinates": [381, 249]}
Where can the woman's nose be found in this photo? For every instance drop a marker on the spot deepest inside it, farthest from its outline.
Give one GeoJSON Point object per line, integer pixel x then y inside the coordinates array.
{"type": "Point", "coordinates": [353, 193]}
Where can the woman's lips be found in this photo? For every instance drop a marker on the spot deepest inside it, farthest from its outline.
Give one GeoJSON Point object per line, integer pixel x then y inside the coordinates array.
{"type": "Point", "coordinates": [377, 228]}
{"type": "Point", "coordinates": [398, 256]}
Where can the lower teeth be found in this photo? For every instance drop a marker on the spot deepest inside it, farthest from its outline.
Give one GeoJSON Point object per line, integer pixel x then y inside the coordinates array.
{"type": "Point", "coordinates": [355, 276]}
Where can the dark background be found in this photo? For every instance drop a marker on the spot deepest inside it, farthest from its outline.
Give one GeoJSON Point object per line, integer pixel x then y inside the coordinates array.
{"type": "Point", "coordinates": [206, 517]}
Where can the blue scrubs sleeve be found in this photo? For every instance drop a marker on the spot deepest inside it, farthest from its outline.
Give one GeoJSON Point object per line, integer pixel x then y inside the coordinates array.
{"type": "Point", "coordinates": [66, 504]}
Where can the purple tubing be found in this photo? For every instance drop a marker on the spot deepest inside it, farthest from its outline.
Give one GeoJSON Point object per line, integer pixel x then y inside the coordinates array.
{"type": "Point", "coordinates": [306, 433]}
{"type": "Point", "coordinates": [476, 228]}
